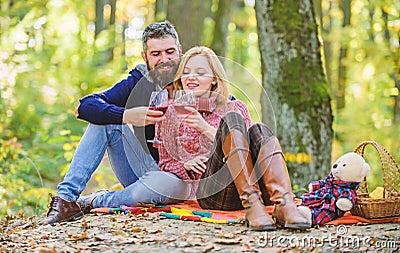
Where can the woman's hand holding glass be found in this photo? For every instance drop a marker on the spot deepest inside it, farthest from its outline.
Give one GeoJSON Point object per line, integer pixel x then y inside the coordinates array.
{"type": "Point", "coordinates": [195, 120]}
{"type": "Point", "coordinates": [190, 116]}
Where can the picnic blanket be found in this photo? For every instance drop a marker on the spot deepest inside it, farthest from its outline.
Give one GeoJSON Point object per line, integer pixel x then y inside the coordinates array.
{"type": "Point", "coordinates": [180, 213]}
{"type": "Point", "coordinates": [191, 211]}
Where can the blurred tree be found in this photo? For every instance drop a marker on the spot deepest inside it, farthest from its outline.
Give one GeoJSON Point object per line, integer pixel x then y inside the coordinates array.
{"type": "Point", "coordinates": [395, 56]}
{"type": "Point", "coordinates": [340, 95]}
{"type": "Point", "coordinates": [189, 27]}
{"type": "Point", "coordinates": [396, 111]}
{"type": "Point", "coordinates": [105, 21]}
{"type": "Point", "coordinates": [293, 78]}
{"type": "Point", "coordinates": [160, 10]}
{"type": "Point", "coordinates": [222, 19]}
{"type": "Point", "coordinates": [326, 27]}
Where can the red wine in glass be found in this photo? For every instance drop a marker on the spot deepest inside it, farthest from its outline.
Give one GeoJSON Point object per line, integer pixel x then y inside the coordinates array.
{"type": "Point", "coordinates": [180, 109]}
{"type": "Point", "coordinates": [204, 106]}
{"type": "Point", "coordinates": [158, 102]}
{"type": "Point", "coordinates": [162, 108]}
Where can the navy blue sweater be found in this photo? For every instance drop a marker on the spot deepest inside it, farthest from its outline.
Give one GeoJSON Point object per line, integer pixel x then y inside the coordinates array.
{"type": "Point", "coordinates": [107, 107]}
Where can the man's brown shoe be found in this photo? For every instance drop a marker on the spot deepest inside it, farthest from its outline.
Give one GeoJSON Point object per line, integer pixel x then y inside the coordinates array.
{"type": "Point", "coordinates": [62, 210]}
{"type": "Point", "coordinates": [86, 202]}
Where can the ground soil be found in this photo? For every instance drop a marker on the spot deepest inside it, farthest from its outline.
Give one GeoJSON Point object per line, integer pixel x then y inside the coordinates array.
{"type": "Point", "coordinates": [128, 233]}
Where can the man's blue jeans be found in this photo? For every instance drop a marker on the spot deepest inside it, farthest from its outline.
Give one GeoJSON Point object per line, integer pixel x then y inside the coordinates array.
{"type": "Point", "coordinates": [135, 169]}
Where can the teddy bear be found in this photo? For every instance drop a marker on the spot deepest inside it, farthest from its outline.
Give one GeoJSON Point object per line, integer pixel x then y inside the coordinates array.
{"type": "Point", "coordinates": [330, 198]}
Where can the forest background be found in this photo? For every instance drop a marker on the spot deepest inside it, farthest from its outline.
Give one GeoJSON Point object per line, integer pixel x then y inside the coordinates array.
{"type": "Point", "coordinates": [54, 52]}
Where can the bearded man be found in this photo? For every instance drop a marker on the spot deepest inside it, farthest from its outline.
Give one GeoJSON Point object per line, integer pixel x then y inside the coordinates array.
{"type": "Point", "coordinates": [109, 112]}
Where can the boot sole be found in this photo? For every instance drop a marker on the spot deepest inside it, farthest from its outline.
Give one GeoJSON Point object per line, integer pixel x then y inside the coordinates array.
{"type": "Point", "coordinates": [264, 228]}
{"type": "Point", "coordinates": [75, 217]}
{"type": "Point", "coordinates": [301, 226]}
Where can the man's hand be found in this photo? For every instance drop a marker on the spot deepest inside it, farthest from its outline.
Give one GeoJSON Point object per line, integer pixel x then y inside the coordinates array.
{"type": "Point", "coordinates": [141, 116]}
{"type": "Point", "coordinates": [197, 165]}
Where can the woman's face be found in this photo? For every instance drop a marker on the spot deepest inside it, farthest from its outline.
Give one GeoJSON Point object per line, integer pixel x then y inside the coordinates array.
{"type": "Point", "coordinates": [197, 75]}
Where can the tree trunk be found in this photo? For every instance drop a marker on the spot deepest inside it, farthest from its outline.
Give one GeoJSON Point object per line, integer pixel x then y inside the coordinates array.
{"type": "Point", "coordinates": [188, 18]}
{"type": "Point", "coordinates": [297, 93]}
{"type": "Point", "coordinates": [160, 10]}
{"type": "Point", "coordinates": [340, 95]}
{"type": "Point", "coordinates": [396, 70]}
{"type": "Point", "coordinates": [396, 110]}
{"type": "Point", "coordinates": [327, 49]}
{"type": "Point", "coordinates": [222, 19]}
{"type": "Point", "coordinates": [103, 23]}
{"type": "Point", "coordinates": [99, 23]}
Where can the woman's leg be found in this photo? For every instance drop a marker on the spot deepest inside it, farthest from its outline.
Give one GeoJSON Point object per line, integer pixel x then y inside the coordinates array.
{"type": "Point", "coordinates": [259, 134]}
{"type": "Point", "coordinates": [216, 188]}
{"type": "Point", "coordinates": [155, 187]}
{"type": "Point", "coordinates": [231, 159]}
{"type": "Point", "coordinates": [271, 168]}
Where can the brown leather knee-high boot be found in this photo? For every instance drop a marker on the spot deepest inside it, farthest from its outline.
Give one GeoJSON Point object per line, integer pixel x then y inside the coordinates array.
{"type": "Point", "coordinates": [275, 176]}
{"type": "Point", "coordinates": [238, 159]}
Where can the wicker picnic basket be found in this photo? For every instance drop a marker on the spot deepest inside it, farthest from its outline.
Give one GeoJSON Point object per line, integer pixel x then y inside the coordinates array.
{"type": "Point", "coordinates": [389, 205]}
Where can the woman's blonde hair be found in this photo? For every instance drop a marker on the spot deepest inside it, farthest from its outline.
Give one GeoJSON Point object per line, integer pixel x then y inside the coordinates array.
{"type": "Point", "coordinates": [222, 85]}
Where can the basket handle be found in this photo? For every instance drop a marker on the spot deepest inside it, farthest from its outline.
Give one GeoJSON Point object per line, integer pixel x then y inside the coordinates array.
{"type": "Point", "coordinates": [389, 168]}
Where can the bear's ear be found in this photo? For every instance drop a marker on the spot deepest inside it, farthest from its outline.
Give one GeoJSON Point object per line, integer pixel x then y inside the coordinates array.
{"type": "Point", "coordinates": [366, 169]}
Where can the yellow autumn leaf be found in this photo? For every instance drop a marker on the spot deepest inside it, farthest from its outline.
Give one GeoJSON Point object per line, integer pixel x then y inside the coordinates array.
{"type": "Point", "coordinates": [67, 146]}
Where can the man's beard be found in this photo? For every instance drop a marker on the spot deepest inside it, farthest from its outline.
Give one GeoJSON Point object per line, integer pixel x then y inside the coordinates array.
{"type": "Point", "coordinates": [161, 77]}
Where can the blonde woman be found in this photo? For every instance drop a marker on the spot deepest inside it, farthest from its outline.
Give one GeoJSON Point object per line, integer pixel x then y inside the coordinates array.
{"type": "Point", "coordinates": [232, 163]}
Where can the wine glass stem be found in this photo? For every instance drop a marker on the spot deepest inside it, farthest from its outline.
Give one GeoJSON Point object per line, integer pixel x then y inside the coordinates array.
{"type": "Point", "coordinates": [156, 132]}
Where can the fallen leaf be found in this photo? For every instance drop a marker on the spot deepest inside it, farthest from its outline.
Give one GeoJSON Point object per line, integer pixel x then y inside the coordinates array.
{"type": "Point", "coordinates": [45, 237]}
{"type": "Point", "coordinates": [121, 233]}
{"type": "Point", "coordinates": [78, 237]}
{"type": "Point", "coordinates": [85, 224]}
{"type": "Point", "coordinates": [196, 242]}
{"type": "Point", "coordinates": [45, 250]}
{"type": "Point", "coordinates": [228, 241]}
{"type": "Point", "coordinates": [154, 231]}
{"type": "Point", "coordinates": [103, 237]}
{"type": "Point", "coordinates": [208, 248]}
{"type": "Point", "coordinates": [270, 250]}
{"type": "Point", "coordinates": [170, 239]}
{"type": "Point", "coordinates": [137, 229]}
{"type": "Point", "coordinates": [183, 244]}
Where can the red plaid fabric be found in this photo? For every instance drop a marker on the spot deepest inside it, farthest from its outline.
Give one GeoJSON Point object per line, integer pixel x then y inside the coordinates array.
{"type": "Point", "coordinates": [325, 193]}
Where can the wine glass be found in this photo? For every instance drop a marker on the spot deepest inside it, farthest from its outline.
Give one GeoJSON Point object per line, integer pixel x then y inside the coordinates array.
{"type": "Point", "coordinates": [184, 98]}
{"type": "Point", "coordinates": [205, 105]}
{"type": "Point", "coordinates": [158, 102]}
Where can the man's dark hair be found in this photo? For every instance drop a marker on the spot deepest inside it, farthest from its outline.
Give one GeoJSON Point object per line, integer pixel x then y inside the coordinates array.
{"type": "Point", "coordinates": [157, 31]}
